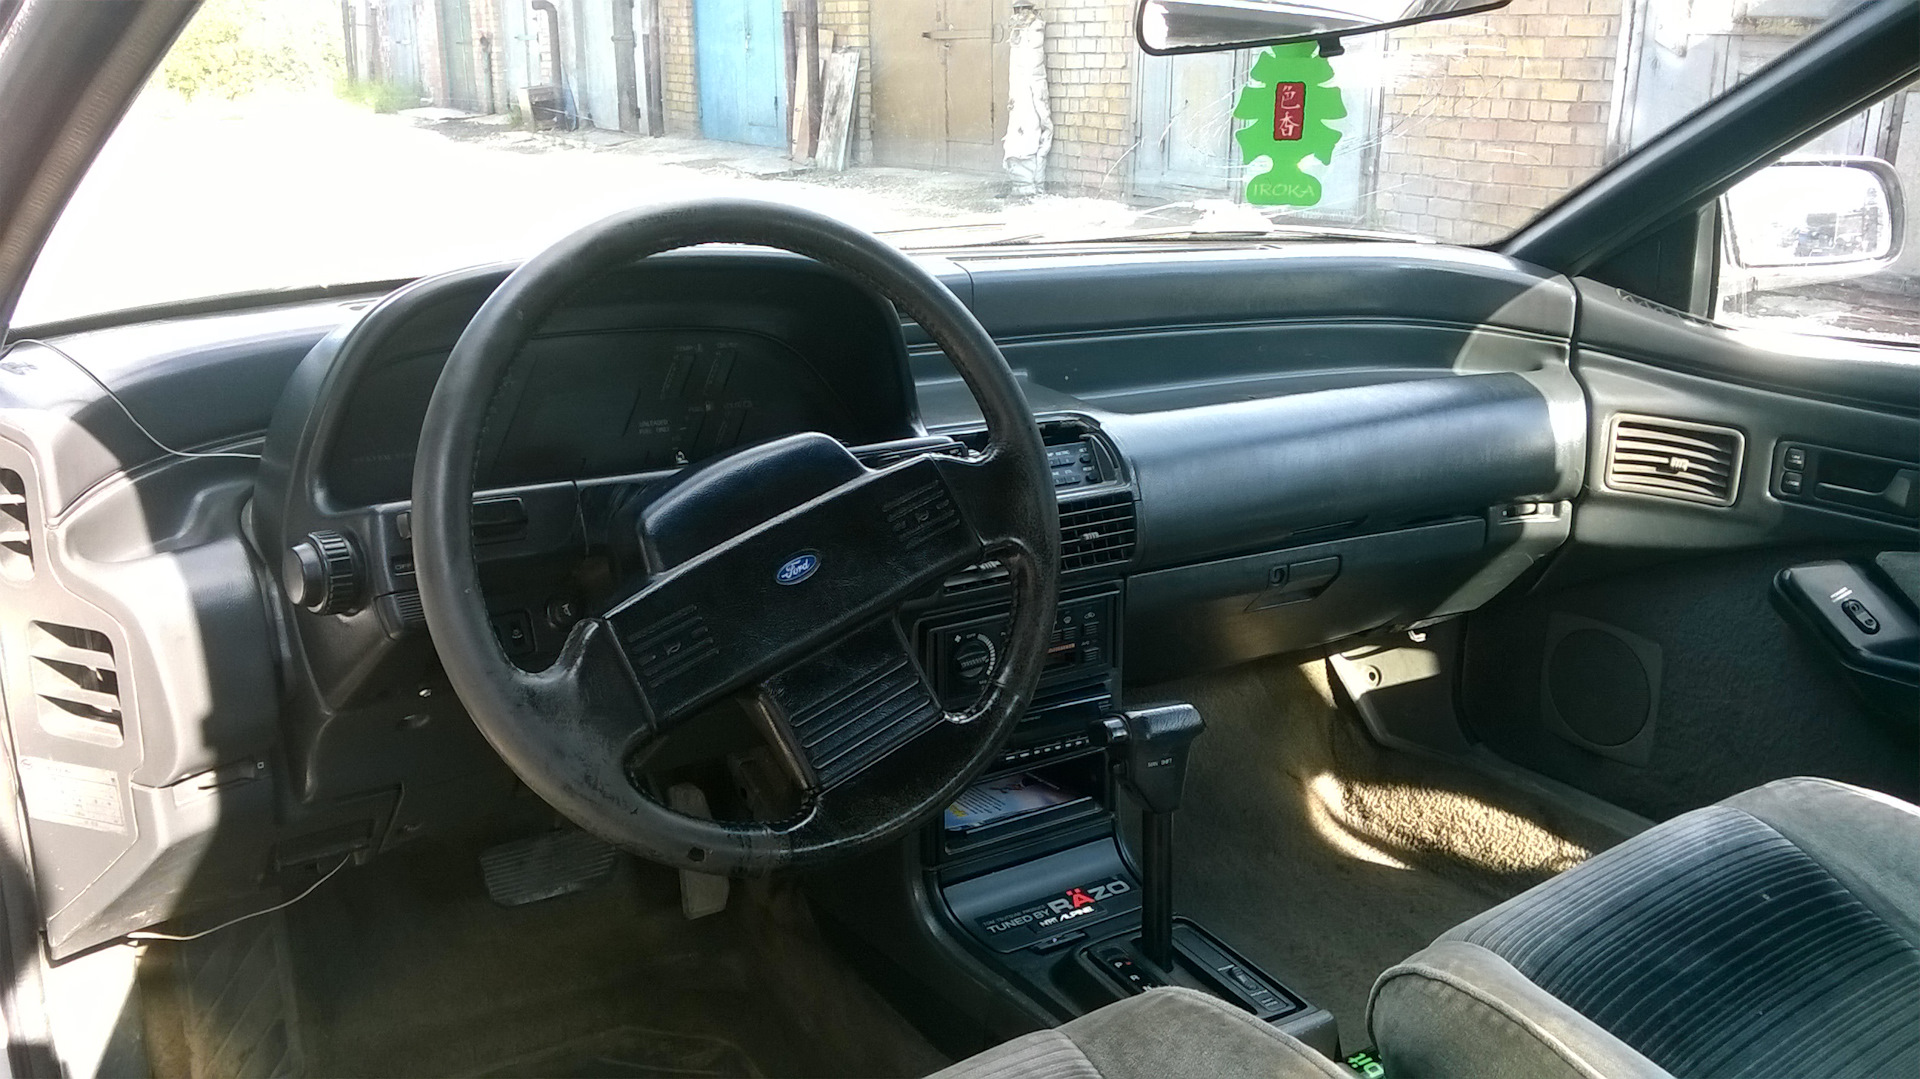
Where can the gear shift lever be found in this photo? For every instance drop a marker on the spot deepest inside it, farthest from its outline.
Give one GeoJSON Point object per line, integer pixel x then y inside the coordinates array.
{"type": "Point", "coordinates": [1153, 768]}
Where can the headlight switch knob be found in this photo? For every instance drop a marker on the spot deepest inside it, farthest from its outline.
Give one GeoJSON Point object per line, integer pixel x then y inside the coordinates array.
{"type": "Point", "coordinates": [322, 572]}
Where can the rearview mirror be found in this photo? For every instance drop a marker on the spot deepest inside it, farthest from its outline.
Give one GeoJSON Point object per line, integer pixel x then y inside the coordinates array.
{"type": "Point", "coordinates": [1807, 220]}
{"type": "Point", "coordinates": [1169, 27]}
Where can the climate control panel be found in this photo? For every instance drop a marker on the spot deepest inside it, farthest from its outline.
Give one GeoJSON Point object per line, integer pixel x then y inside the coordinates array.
{"type": "Point", "coordinates": [962, 654]}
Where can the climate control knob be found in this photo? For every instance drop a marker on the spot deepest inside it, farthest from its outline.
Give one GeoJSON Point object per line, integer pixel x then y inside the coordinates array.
{"type": "Point", "coordinates": [974, 656]}
{"type": "Point", "coordinates": [322, 572]}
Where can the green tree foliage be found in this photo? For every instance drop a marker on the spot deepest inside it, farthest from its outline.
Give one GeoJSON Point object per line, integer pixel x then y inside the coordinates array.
{"type": "Point", "coordinates": [1284, 183]}
{"type": "Point", "coordinates": [235, 48]}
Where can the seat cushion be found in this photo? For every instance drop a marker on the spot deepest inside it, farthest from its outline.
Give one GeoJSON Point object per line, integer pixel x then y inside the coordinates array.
{"type": "Point", "coordinates": [1773, 934]}
{"type": "Point", "coordinates": [1160, 1034]}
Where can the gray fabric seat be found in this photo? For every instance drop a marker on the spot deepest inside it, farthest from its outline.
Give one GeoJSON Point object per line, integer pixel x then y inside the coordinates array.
{"type": "Point", "coordinates": [1160, 1034]}
{"type": "Point", "coordinates": [1773, 934]}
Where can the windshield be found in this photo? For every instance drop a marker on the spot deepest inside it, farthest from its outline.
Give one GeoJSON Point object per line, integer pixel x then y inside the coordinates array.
{"type": "Point", "coordinates": [296, 143]}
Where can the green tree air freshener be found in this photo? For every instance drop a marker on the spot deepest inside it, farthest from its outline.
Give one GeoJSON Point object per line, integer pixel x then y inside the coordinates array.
{"type": "Point", "coordinates": [1290, 98]}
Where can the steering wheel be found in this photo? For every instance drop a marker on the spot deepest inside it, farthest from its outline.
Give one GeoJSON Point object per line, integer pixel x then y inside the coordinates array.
{"type": "Point", "coordinates": [777, 571]}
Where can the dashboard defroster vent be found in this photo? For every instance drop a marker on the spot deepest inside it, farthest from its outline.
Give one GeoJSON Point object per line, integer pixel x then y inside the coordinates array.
{"type": "Point", "coordinates": [1096, 531]}
{"type": "Point", "coordinates": [1694, 462]}
{"type": "Point", "coordinates": [76, 683]}
{"type": "Point", "coordinates": [16, 535]}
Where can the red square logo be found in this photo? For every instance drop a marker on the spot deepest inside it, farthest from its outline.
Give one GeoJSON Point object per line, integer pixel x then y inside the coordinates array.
{"type": "Point", "coordinates": [1289, 111]}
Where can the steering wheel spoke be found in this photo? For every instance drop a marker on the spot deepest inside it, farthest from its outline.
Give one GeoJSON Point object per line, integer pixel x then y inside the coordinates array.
{"type": "Point", "coordinates": [982, 486]}
{"type": "Point", "coordinates": [842, 711]}
{"type": "Point", "coordinates": [590, 715]}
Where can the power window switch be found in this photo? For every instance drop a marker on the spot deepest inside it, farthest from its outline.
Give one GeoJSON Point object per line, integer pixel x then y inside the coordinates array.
{"type": "Point", "coordinates": [1792, 483]}
{"type": "Point", "coordinates": [1796, 458]}
{"type": "Point", "coordinates": [1862, 617]}
{"type": "Point", "coordinates": [1242, 978]}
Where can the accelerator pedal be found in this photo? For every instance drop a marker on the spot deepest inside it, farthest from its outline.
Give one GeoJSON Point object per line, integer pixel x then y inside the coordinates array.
{"type": "Point", "coordinates": [555, 863]}
{"type": "Point", "coordinates": [701, 894]}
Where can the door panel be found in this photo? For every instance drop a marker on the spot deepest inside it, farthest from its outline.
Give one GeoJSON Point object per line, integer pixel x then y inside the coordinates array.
{"type": "Point", "coordinates": [940, 83]}
{"type": "Point", "coordinates": [1185, 108]}
{"type": "Point", "coordinates": [742, 62]}
{"type": "Point", "coordinates": [909, 103]}
{"type": "Point", "coordinates": [458, 47]}
{"type": "Point", "coordinates": [975, 65]}
{"type": "Point", "coordinates": [1650, 664]}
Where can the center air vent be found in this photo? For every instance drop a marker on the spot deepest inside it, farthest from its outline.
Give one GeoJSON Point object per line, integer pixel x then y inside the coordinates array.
{"type": "Point", "coordinates": [1093, 532]}
{"type": "Point", "coordinates": [1096, 531]}
{"type": "Point", "coordinates": [76, 684]}
{"type": "Point", "coordinates": [1695, 462]}
{"type": "Point", "coordinates": [16, 538]}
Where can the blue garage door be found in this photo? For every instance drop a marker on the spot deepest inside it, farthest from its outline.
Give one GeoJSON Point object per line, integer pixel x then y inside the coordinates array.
{"type": "Point", "coordinates": [742, 68]}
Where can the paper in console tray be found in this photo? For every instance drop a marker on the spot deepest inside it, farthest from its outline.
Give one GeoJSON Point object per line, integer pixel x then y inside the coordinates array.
{"type": "Point", "coordinates": [1004, 799]}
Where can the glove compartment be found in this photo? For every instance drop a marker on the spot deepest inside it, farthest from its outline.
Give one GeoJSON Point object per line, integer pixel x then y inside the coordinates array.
{"type": "Point", "coordinates": [1257, 475]}
{"type": "Point", "coordinates": [1232, 610]}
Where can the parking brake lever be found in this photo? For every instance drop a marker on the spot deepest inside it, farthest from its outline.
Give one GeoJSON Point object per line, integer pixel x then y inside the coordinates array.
{"type": "Point", "coordinates": [1152, 767]}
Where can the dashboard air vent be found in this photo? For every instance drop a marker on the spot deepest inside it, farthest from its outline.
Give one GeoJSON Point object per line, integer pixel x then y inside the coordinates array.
{"type": "Point", "coordinates": [75, 683]}
{"type": "Point", "coordinates": [1695, 462]}
{"type": "Point", "coordinates": [1096, 531]}
{"type": "Point", "coordinates": [16, 538]}
{"type": "Point", "coordinates": [1093, 532]}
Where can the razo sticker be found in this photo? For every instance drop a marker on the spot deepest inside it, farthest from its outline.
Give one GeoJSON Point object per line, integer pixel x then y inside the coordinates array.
{"type": "Point", "coordinates": [1290, 99]}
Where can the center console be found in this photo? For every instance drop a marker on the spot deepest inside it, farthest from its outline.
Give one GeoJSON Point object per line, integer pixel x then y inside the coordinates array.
{"type": "Point", "coordinates": [1025, 881]}
{"type": "Point", "coordinates": [1023, 905]}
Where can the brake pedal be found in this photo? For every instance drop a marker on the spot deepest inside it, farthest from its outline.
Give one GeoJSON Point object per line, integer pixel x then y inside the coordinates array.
{"type": "Point", "coordinates": [554, 864]}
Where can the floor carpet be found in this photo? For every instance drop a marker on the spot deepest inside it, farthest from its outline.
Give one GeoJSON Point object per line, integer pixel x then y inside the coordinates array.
{"type": "Point", "coordinates": [405, 967]}
{"type": "Point", "coordinates": [1327, 858]}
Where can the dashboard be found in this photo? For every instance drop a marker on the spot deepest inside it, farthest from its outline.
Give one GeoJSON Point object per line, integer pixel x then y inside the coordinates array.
{"type": "Point", "coordinates": [1255, 450]}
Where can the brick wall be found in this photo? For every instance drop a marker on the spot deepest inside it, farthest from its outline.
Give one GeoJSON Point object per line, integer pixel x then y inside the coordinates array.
{"type": "Point", "coordinates": [1090, 77]}
{"type": "Point", "coordinates": [1497, 116]}
{"type": "Point", "coordinates": [680, 93]}
{"type": "Point", "coordinates": [848, 19]}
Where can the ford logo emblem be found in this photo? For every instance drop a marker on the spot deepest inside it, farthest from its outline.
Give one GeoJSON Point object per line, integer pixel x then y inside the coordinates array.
{"type": "Point", "coordinates": [798, 568]}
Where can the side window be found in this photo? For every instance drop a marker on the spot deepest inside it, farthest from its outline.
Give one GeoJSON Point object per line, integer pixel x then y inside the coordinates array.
{"type": "Point", "coordinates": [1827, 239]}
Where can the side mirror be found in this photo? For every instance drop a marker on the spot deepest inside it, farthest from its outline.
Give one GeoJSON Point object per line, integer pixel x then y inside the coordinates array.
{"type": "Point", "coordinates": [1170, 27]}
{"type": "Point", "coordinates": [1807, 220]}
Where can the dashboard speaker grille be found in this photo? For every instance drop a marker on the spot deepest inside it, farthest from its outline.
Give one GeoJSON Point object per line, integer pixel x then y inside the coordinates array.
{"type": "Point", "coordinates": [1693, 462]}
{"type": "Point", "coordinates": [16, 535]}
{"type": "Point", "coordinates": [1096, 531]}
{"type": "Point", "coordinates": [76, 683]}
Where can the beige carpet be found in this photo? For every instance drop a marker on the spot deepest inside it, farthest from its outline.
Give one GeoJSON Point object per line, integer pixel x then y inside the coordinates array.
{"type": "Point", "coordinates": [1327, 858]}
